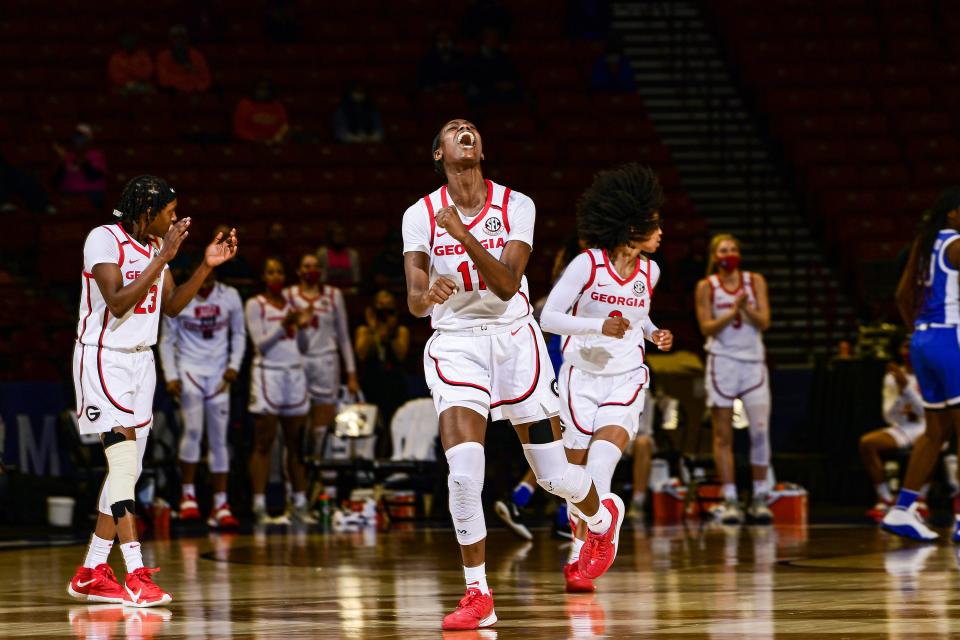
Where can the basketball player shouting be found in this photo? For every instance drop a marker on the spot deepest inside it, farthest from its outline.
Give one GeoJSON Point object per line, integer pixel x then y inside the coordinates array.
{"type": "Point", "coordinates": [928, 297]}
{"type": "Point", "coordinates": [466, 247]}
{"type": "Point", "coordinates": [126, 283]}
{"type": "Point", "coordinates": [602, 304]}
{"type": "Point", "coordinates": [733, 312]}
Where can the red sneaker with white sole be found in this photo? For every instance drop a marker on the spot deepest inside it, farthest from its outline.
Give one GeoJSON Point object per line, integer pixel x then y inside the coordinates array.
{"type": "Point", "coordinates": [879, 510]}
{"type": "Point", "coordinates": [189, 509]}
{"type": "Point", "coordinates": [141, 591]}
{"type": "Point", "coordinates": [923, 509]}
{"type": "Point", "coordinates": [600, 549]}
{"type": "Point", "coordinates": [474, 611]}
{"type": "Point", "coordinates": [576, 583]}
{"type": "Point", "coordinates": [96, 585]}
{"type": "Point", "coordinates": [223, 518]}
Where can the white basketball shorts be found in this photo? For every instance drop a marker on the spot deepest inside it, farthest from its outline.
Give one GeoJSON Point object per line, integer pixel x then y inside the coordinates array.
{"type": "Point", "coordinates": [323, 377]}
{"type": "Point", "coordinates": [114, 388]}
{"type": "Point", "coordinates": [729, 379]}
{"type": "Point", "coordinates": [906, 434]}
{"type": "Point", "coordinates": [507, 375]}
{"type": "Point", "coordinates": [278, 392]}
{"type": "Point", "coordinates": [589, 402]}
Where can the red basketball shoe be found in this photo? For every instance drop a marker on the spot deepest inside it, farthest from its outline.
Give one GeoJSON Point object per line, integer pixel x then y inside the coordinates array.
{"type": "Point", "coordinates": [474, 611]}
{"type": "Point", "coordinates": [141, 591]}
{"type": "Point", "coordinates": [96, 585]}
{"type": "Point", "coordinates": [576, 583]}
{"type": "Point", "coordinates": [879, 510]}
{"type": "Point", "coordinates": [222, 518]}
{"type": "Point", "coordinates": [600, 549]}
{"type": "Point", "coordinates": [189, 510]}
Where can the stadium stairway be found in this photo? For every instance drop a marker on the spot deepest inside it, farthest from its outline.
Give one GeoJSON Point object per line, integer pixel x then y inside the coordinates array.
{"type": "Point", "coordinates": [730, 173]}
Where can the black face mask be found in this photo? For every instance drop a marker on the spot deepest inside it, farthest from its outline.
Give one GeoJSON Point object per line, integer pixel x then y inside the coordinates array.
{"type": "Point", "coordinates": [384, 314]}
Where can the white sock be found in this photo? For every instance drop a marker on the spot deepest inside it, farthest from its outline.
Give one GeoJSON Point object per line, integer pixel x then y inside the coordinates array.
{"type": "Point", "coordinates": [132, 556]}
{"type": "Point", "coordinates": [299, 499]}
{"type": "Point", "coordinates": [600, 521]}
{"type": "Point", "coordinates": [883, 492]}
{"type": "Point", "coordinates": [189, 490]}
{"type": "Point", "coordinates": [761, 487]}
{"type": "Point", "coordinates": [730, 492]}
{"type": "Point", "coordinates": [219, 499]}
{"type": "Point", "coordinates": [923, 491]}
{"type": "Point", "coordinates": [259, 502]}
{"type": "Point", "coordinates": [575, 550]}
{"type": "Point", "coordinates": [477, 577]}
{"type": "Point", "coordinates": [97, 552]}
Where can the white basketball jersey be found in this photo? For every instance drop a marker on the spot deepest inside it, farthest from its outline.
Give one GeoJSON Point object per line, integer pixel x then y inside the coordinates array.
{"type": "Point", "coordinates": [205, 335]}
{"type": "Point", "coordinates": [138, 326]}
{"type": "Point", "coordinates": [274, 345]}
{"type": "Point", "coordinates": [325, 307]}
{"type": "Point", "coordinates": [739, 339]}
{"type": "Point", "coordinates": [607, 295]}
{"type": "Point", "coordinates": [506, 215]}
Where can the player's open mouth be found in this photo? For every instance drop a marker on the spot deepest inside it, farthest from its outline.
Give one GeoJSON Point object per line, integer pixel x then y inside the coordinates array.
{"type": "Point", "coordinates": [466, 139]}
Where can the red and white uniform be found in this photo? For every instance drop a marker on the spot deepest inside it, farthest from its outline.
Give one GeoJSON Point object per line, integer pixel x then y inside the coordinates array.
{"type": "Point", "coordinates": [903, 410]}
{"type": "Point", "coordinates": [113, 366]}
{"type": "Point", "coordinates": [602, 380]}
{"type": "Point", "coordinates": [278, 384]}
{"type": "Point", "coordinates": [196, 348]}
{"type": "Point", "coordinates": [328, 338]}
{"type": "Point", "coordinates": [486, 354]}
{"type": "Point", "coordinates": [736, 365]}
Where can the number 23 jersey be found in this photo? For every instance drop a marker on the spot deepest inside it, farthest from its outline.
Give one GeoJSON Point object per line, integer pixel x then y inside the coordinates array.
{"type": "Point", "coordinates": [506, 215]}
{"type": "Point", "coordinates": [97, 326]}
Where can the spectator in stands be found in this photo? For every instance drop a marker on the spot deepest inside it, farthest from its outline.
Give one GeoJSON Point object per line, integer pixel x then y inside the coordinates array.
{"type": "Point", "coordinates": [387, 269]}
{"type": "Point", "coordinates": [492, 75]}
{"type": "Point", "coordinates": [357, 118]}
{"type": "Point", "coordinates": [382, 345]}
{"type": "Point", "coordinates": [339, 264]}
{"type": "Point", "coordinates": [612, 71]}
{"type": "Point", "coordinates": [281, 22]}
{"type": "Point", "coordinates": [261, 117]}
{"type": "Point", "coordinates": [15, 183]}
{"type": "Point", "coordinates": [442, 65]}
{"type": "Point", "coordinates": [83, 168]}
{"type": "Point", "coordinates": [181, 68]}
{"type": "Point", "coordinates": [481, 15]}
{"type": "Point", "coordinates": [131, 67]}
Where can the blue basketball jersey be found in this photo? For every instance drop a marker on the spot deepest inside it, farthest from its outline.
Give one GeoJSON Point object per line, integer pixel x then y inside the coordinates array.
{"type": "Point", "coordinates": [941, 303]}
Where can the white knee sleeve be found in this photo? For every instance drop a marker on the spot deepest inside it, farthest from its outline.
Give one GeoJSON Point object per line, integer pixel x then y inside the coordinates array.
{"type": "Point", "coordinates": [555, 474]}
{"type": "Point", "coordinates": [191, 417]}
{"type": "Point", "coordinates": [121, 477]}
{"type": "Point", "coordinates": [103, 503]}
{"type": "Point", "coordinates": [218, 417]}
{"type": "Point", "coordinates": [465, 482]}
{"type": "Point", "coordinates": [759, 417]}
{"type": "Point", "coordinates": [602, 461]}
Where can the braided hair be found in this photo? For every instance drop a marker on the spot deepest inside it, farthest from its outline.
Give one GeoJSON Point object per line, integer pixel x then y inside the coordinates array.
{"type": "Point", "coordinates": [143, 195]}
{"type": "Point", "coordinates": [620, 205]}
{"type": "Point", "coordinates": [931, 223]}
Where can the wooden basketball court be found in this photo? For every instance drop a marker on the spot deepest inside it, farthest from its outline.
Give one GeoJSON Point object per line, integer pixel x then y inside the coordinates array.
{"type": "Point", "coordinates": [736, 583]}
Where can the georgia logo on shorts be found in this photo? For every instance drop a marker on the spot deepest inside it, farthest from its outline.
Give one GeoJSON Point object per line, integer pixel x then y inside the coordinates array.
{"type": "Point", "coordinates": [555, 388]}
{"type": "Point", "coordinates": [639, 288]}
{"type": "Point", "coordinates": [92, 413]}
{"type": "Point", "coordinates": [492, 226]}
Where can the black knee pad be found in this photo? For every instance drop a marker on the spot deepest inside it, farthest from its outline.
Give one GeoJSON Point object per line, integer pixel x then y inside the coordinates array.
{"type": "Point", "coordinates": [541, 432]}
{"type": "Point", "coordinates": [111, 438]}
{"type": "Point", "coordinates": [122, 508]}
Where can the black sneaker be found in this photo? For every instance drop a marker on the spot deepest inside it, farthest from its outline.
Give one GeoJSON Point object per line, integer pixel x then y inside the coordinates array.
{"type": "Point", "coordinates": [510, 514]}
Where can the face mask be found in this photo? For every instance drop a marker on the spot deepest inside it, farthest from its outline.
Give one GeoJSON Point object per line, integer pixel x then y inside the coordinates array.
{"type": "Point", "coordinates": [276, 288]}
{"type": "Point", "coordinates": [383, 314]}
{"type": "Point", "coordinates": [729, 263]}
{"type": "Point", "coordinates": [205, 290]}
{"type": "Point", "coordinates": [311, 276]}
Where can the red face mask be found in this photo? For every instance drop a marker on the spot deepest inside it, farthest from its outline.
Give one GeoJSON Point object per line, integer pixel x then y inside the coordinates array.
{"type": "Point", "coordinates": [276, 288]}
{"type": "Point", "coordinates": [311, 276]}
{"type": "Point", "coordinates": [729, 263]}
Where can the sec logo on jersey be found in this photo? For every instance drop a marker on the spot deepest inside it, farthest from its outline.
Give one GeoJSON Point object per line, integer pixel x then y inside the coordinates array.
{"type": "Point", "coordinates": [639, 288]}
{"type": "Point", "coordinates": [492, 226]}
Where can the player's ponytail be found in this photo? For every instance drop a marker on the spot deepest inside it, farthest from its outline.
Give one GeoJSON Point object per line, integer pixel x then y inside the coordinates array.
{"type": "Point", "coordinates": [931, 223]}
{"type": "Point", "coordinates": [712, 250]}
{"type": "Point", "coordinates": [143, 195]}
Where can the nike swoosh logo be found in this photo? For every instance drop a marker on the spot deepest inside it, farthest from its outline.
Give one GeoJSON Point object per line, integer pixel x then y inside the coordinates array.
{"type": "Point", "coordinates": [88, 582]}
{"type": "Point", "coordinates": [135, 598]}
{"type": "Point", "coordinates": [513, 333]}
{"type": "Point", "coordinates": [440, 235]}
{"type": "Point", "coordinates": [135, 261]}
{"type": "Point", "coordinates": [603, 285]}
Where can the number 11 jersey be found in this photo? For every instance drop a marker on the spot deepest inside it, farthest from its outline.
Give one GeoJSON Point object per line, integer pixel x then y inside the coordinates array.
{"type": "Point", "coordinates": [98, 327]}
{"type": "Point", "coordinates": [506, 215]}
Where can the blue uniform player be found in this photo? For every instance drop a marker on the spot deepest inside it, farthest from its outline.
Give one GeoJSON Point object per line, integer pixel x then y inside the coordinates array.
{"type": "Point", "coordinates": [928, 297]}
